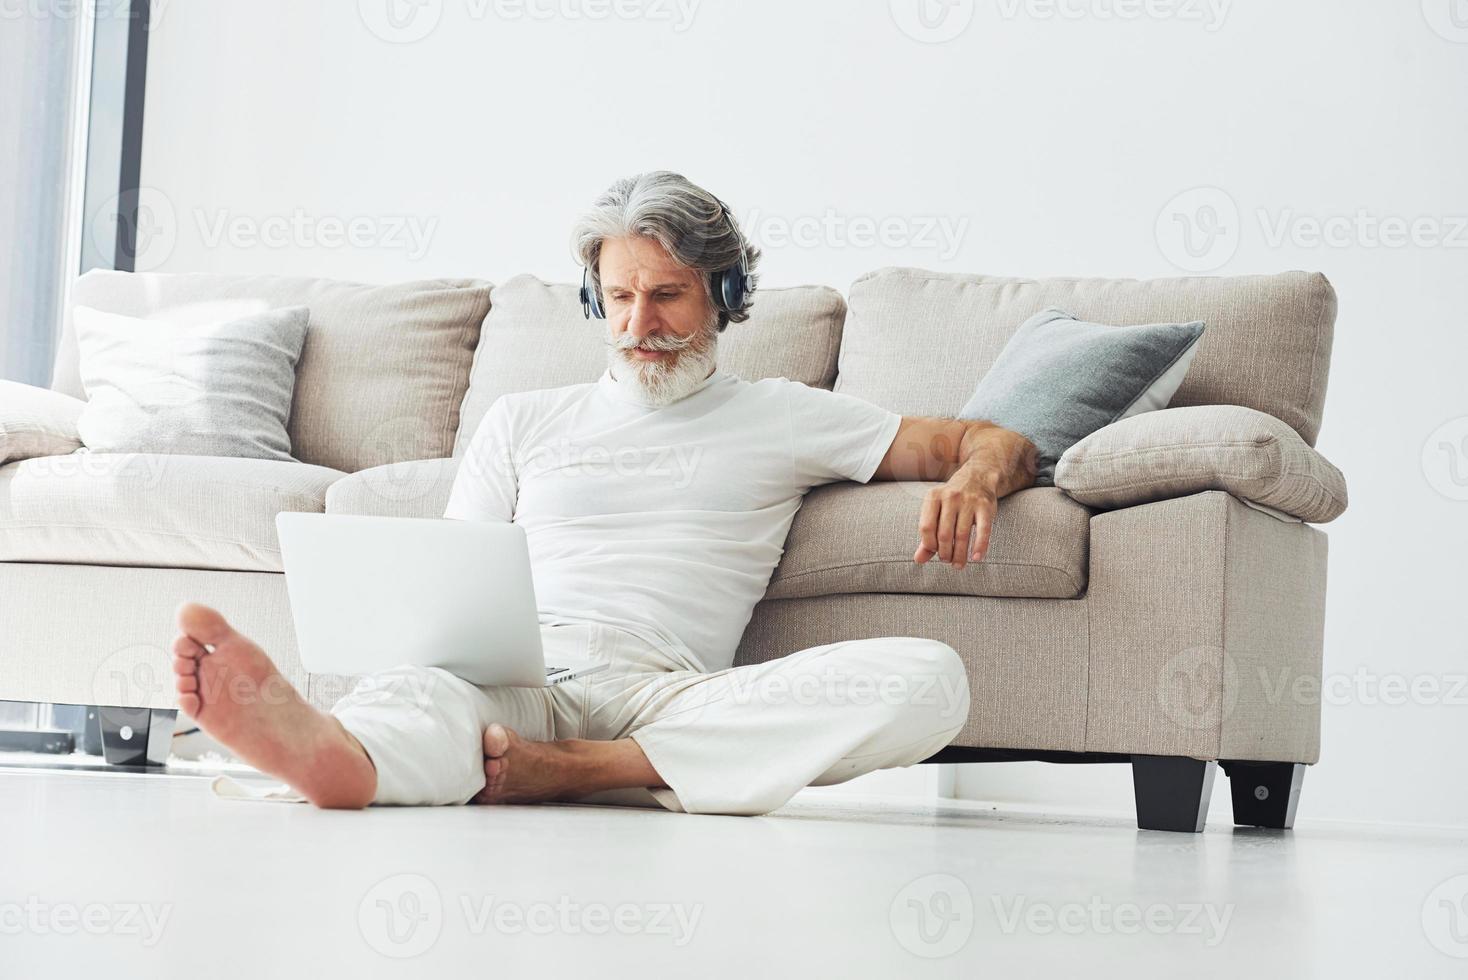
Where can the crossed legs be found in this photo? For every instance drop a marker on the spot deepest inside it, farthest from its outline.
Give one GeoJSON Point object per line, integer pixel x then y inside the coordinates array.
{"type": "Point", "coordinates": [742, 740]}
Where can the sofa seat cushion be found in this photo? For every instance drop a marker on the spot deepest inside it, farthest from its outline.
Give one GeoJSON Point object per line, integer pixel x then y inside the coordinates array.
{"type": "Point", "coordinates": [850, 538]}
{"type": "Point", "coordinates": [161, 511]}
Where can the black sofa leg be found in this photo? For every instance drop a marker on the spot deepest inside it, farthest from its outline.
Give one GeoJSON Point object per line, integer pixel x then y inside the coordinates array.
{"type": "Point", "coordinates": [136, 736]}
{"type": "Point", "coordinates": [1265, 794]}
{"type": "Point", "coordinates": [1172, 792]}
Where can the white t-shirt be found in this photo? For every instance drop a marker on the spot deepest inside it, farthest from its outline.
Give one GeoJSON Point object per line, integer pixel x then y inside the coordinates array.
{"type": "Point", "coordinates": [664, 521]}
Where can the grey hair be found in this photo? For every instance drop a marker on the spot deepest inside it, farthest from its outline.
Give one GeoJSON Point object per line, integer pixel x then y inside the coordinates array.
{"type": "Point", "coordinates": [692, 225]}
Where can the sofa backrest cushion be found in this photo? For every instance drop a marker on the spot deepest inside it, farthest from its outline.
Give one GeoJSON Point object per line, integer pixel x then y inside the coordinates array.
{"type": "Point", "coordinates": [918, 342]}
{"type": "Point", "coordinates": [383, 371]}
{"type": "Point", "coordinates": [537, 337]}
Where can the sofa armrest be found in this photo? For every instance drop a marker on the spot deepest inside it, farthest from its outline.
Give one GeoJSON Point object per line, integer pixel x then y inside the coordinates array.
{"type": "Point", "coordinates": [416, 488]}
{"type": "Point", "coordinates": [1182, 451]}
{"type": "Point", "coordinates": [37, 422]}
{"type": "Point", "coordinates": [1206, 625]}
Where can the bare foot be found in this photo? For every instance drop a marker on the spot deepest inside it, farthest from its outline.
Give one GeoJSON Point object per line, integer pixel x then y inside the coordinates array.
{"type": "Point", "coordinates": [517, 770]}
{"type": "Point", "coordinates": [232, 689]}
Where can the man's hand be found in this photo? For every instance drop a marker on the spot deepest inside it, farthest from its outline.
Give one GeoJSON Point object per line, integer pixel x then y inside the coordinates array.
{"type": "Point", "coordinates": [980, 462]}
{"type": "Point", "coordinates": [962, 508]}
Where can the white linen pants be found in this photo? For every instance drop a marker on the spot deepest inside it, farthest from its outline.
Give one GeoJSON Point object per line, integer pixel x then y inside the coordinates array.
{"type": "Point", "coordinates": [737, 741]}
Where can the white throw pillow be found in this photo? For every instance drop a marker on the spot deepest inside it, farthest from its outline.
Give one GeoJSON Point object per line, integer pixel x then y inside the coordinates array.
{"type": "Point", "coordinates": [216, 389]}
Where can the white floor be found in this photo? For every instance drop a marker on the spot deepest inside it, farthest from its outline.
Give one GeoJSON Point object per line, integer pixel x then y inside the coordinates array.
{"type": "Point", "coordinates": [152, 876]}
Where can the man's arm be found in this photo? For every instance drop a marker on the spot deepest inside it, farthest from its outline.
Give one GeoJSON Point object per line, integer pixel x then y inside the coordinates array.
{"type": "Point", "coordinates": [486, 487]}
{"type": "Point", "coordinates": [980, 463]}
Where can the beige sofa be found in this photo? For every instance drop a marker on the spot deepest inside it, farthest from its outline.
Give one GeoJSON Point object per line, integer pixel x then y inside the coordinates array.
{"type": "Point", "coordinates": [1162, 606]}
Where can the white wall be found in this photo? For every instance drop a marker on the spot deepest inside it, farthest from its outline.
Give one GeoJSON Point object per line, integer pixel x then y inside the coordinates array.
{"type": "Point", "coordinates": [1052, 135]}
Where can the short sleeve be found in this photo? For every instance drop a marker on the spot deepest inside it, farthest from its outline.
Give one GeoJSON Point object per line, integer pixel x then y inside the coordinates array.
{"type": "Point", "coordinates": [485, 488]}
{"type": "Point", "coordinates": [836, 436]}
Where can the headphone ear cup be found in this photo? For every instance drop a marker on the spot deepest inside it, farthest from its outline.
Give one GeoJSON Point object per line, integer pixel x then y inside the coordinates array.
{"type": "Point", "coordinates": [590, 302]}
{"type": "Point", "coordinates": [729, 292]}
{"type": "Point", "coordinates": [733, 288]}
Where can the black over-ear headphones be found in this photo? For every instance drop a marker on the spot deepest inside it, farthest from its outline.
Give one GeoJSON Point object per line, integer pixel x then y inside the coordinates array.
{"type": "Point", "coordinates": [731, 287]}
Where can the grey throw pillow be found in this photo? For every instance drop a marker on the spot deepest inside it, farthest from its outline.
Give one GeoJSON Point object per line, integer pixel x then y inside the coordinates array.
{"type": "Point", "coordinates": [216, 389]}
{"type": "Point", "coordinates": [1059, 379]}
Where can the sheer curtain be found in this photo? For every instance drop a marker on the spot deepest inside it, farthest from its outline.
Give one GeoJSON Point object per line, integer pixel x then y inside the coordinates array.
{"type": "Point", "coordinates": [38, 80]}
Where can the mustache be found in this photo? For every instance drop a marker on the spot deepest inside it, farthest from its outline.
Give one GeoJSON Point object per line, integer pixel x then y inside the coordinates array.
{"type": "Point", "coordinates": [652, 342]}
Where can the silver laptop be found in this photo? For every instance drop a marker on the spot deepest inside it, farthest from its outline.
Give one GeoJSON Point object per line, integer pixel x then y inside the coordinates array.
{"type": "Point", "coordinates": [372, 593]}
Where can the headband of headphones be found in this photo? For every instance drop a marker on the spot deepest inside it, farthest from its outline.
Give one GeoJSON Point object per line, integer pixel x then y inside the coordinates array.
{"type": "Point", "coordinates": [731, 287]}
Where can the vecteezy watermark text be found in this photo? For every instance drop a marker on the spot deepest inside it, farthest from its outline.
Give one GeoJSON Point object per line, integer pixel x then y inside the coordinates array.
{"type": "Point", "coordinates": [942, 234]}
{"type": "Point", "coordinates": [408, 21]}
{"type": "Point", "coordinates": [1099, 917]}
{"type": "Point", "coordinates": [1209, 14]}
{"type": "Point", "coordinates": [409, 233]}
{"type": "Point", "coordinates": [141, 920]}
{"type": "Point", "coordinates": [1200, 229]}
{"type": "Point", "coordinates": [403, 916]}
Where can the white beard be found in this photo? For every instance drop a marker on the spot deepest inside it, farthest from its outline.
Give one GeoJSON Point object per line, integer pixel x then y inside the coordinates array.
{"type": "Point", "coordinates": [666, 380]}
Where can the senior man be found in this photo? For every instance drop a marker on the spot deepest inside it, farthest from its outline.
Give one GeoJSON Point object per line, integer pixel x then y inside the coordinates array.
{"type": "Point", "coordinates": [653, 568]}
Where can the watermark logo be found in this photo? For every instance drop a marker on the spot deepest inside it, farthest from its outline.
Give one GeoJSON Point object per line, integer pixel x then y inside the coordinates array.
{"type": "Point", "coordinates": [401, 916]}
{"type": "Point", "coordinates": [1445, 459]}
{"type": "Point", "coordinates": [932, 21]}
{"type": "Point", "coordinates": [933, 916]}
{"type": "Point", "coordinates": [1445, 917]}
{"type": "Point", "coordinates": [1198, 687]}
{"type": "Point", "coordinates": [1198, 230]}
{"type": "Point", "coordinates": [399, 465]}
{"type": "Point", "coordinates": [136, 674]}
{"type": "Point", "coordinates": [400, 21]}
{"type": "Point", "coordinates": [146, 216]}
{"type": "Point", "coordinates": [1448, 19]}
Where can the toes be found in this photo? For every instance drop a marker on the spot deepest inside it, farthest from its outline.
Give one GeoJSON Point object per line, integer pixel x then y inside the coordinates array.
{"type": "Point", "coordinates": [205, 625]}
{"type": "Point", "coordinates": [186, 648]}
{"type": "Point", "coordinates": [495, 786]}
{"type": "Point", "coordinates": [496, 741]}
{"type": "Point", "coordinates": [186, 684]}
{"type": "Point", "coordinates": [189, 704]}
{"type": "Point", "coordinates": [493, 779]}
